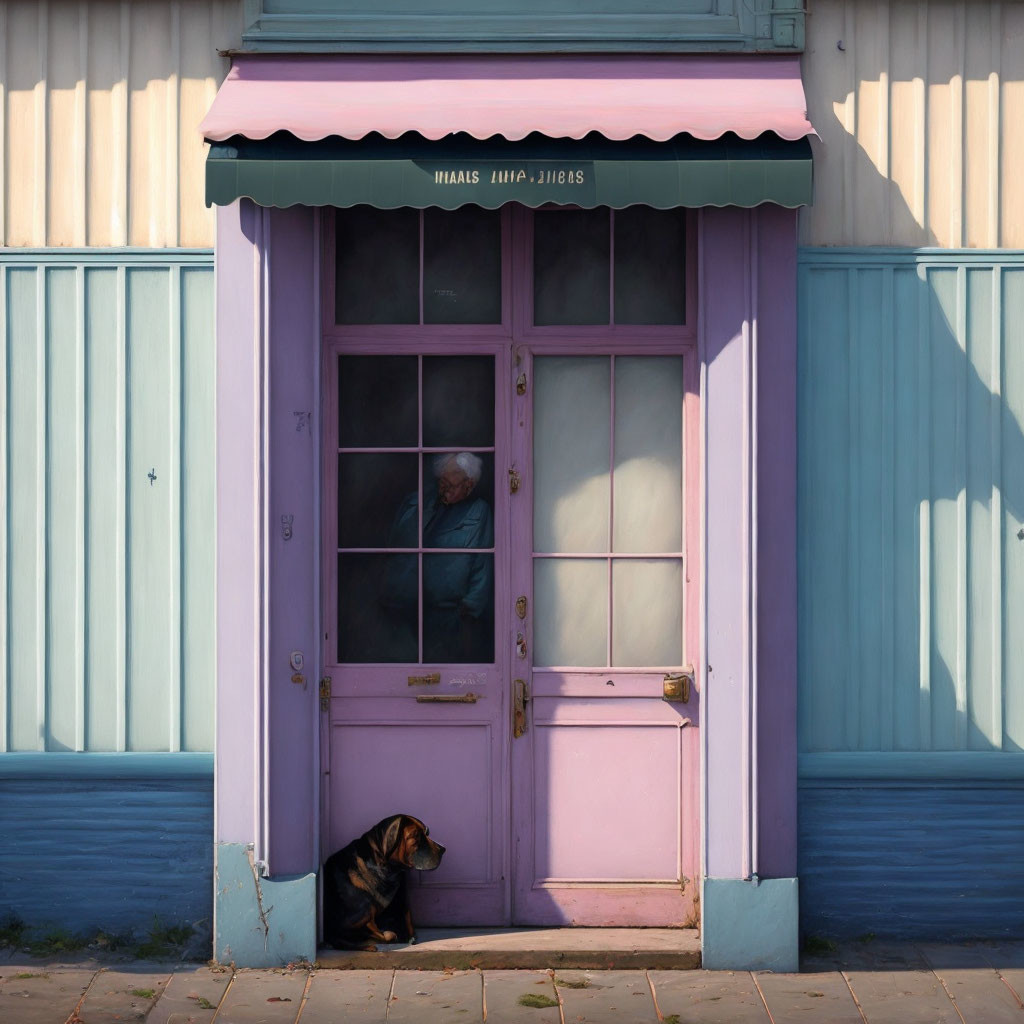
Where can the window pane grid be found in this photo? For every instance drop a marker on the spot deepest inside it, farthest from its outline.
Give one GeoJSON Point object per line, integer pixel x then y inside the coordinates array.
{"type": "Point", "coordinates": [445, 557]}
{"type": "Point", "coordinates": [417, 267]}
{"type": "Point", "coordinates": [649, 290]}
{"type": "Point", "coordinates": [639, 559]}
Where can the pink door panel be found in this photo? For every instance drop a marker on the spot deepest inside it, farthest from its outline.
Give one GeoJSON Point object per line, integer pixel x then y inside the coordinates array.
{"type": "Point", "coordinates": [606, 773]}
{"type": "Point", "coordinates": [607, 796]}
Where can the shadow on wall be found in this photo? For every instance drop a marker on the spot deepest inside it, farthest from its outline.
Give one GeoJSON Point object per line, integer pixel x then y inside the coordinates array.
{"type": "Point", "coordinates": [911, 500]}
{"type": "Point", "coordinates": [918, 107]}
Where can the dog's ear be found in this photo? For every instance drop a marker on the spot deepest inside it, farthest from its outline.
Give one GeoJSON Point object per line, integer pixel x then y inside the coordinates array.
{"type": "Point", "coordinates": [392, 836]}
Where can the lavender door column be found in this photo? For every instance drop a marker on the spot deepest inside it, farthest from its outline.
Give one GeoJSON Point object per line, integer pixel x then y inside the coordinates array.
{"type": "Point", "coordinates": [748, 343]}
{"type": "Point", "coordinates": [259, 919]}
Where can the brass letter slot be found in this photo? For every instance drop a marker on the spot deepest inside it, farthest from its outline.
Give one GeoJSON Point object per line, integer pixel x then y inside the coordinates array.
{"type": "Point", "coordinates": [676, 687]}
{"type": "Point", "coordinates": [446, 698]}
{"type": "Point", "coordinates": [429, 680]}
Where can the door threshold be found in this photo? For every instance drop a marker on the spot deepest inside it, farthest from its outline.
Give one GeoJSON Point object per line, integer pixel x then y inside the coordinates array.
{"type": "Point", "coordinates": [528, 949]}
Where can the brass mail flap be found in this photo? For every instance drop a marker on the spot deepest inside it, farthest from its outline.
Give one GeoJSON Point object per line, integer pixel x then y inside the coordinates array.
{"type": "Point", "coordinates": [428, 680]}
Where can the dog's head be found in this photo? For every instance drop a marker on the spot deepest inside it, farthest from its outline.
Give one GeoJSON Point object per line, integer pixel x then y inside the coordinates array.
{"type": "Point", "coordinates": [405, 840]}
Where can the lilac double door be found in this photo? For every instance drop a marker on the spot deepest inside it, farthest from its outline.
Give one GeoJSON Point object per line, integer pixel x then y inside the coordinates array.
{"type": "Point", "coordinates": [508, 579]}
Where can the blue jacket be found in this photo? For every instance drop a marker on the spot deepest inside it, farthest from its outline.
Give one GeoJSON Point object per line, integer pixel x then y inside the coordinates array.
{"type": "Point", "coordinates": [464, 581]}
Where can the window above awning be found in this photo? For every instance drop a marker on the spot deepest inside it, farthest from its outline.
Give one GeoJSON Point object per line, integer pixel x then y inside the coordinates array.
{"type": "Point", "coordinates": [416, 131]}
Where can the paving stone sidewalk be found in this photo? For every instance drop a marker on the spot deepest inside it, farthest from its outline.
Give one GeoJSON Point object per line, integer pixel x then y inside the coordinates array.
{"type": "Point", "coordinates": [978, 983]}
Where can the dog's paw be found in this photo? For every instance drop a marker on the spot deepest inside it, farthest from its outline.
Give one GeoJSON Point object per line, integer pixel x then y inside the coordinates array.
{"type": "Point", "coordinates": [389, 936]}
{"type": "Point", "coordinates": [370, 947]}
{"type": "Point", "coordinates": [412, 940]}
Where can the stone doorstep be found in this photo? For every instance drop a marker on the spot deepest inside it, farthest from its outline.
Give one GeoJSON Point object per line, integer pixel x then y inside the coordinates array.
{"type": "Point", "coordinates": [528, 949]}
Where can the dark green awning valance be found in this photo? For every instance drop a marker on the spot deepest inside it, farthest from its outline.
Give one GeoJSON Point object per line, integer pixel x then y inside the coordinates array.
{"type": "Point", "coordinates": [460, 170]}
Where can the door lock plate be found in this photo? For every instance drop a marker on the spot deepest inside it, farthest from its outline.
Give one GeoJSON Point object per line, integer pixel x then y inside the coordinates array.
{"type": "Point", "coordinates": [520, 698]}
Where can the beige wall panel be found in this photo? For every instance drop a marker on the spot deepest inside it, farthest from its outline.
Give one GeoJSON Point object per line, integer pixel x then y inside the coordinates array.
{"type": "Point", "coordinates": [1012, 122]}
{"type": "Point", "coordinates": [871, 100]}
{"type": "Point", "coordinates": [25, 123]}
{"type": "Point", "coordinates": [200, 75]}
{"type": "Point", "coordinates": [106, 113]}
{"type": "Point", "coordinates": [920, 110]}
{"type": "Point", "coordinates": [945, 123]}
{"type": "Point", "coordinates": [65, 136]}
{"type": "Point", "coordinates": [100, 104]}
{"type": "Point", "coordinates": [151, 106]}
{"type": "Point", "coordinates": [981, 127]}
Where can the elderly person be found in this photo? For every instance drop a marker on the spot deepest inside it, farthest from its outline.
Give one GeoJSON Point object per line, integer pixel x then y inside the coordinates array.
{"type": "Point", "coordinates": [457, 590]}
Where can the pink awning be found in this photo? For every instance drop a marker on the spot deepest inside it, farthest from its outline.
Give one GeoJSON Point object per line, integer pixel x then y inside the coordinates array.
{"type": "Point", "coordinates": [561, 97]}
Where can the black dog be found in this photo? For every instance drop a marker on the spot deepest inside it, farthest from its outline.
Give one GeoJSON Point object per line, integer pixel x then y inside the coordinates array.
{"type": "Point", "coordinates": [365, 898]}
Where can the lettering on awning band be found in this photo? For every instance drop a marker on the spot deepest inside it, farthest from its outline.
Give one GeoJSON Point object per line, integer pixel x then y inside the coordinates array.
{"type": "Point", "coordinates": [418, 173]}
{"type": "Point", "coordinates": [516, 175]}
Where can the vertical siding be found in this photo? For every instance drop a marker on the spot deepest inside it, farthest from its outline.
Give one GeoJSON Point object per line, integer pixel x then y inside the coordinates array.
{"type": "Point", "coordinates": [911, 498]}
{"type": "Point", "coordinates": [100, 104]}
{"type": "Point", "coordinates": [109, 370]}
{"type": "Point", "coordinates": [921, 119]}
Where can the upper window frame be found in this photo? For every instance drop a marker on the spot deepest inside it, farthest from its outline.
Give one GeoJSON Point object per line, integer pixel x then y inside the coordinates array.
{"type": "Point", "coordinates": [331, 329]}
{"type": "Point", "coordinates": [516, 296]}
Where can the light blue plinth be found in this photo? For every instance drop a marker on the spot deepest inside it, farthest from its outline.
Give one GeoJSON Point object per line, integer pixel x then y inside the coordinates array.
{"type": "Point", "coordinates": [750, 926]}
{"type": "Point", "coordinates": [261, 922]}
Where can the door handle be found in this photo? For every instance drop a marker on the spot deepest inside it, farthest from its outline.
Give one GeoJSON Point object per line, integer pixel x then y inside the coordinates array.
{"type": "Point", "coordinates": [520, 698]}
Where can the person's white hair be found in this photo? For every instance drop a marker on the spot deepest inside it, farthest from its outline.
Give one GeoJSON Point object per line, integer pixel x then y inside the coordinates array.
{"type": "Point", "coordinates": [470, 464]}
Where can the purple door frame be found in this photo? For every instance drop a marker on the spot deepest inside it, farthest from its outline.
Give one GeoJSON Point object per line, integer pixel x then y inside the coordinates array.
{"type": "Point", "coordinates": [267, 754]}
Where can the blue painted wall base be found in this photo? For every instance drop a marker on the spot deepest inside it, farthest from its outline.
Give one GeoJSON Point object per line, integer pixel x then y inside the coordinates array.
{"type": "Point", "coordinates": [912, 859]}
{"type": "Point", "coordinates": [261, 922]}
{"type": "Point", "coordinates": [114, 843]}
{"type": "Point", "coordinates": [750, 926]}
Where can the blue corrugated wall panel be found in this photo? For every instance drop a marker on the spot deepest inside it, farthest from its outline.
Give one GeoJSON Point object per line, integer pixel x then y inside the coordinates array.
{"type": "Point", "coordinates": [107, 500]}
{"type": "Point", "coordinates": [911, 588]}
{"type": "Point", "coordinates": [910, 501]}
{"type": "Point", "coordinates": [110, 854]}
{"type": "Point", "coordinates": [940, 860]}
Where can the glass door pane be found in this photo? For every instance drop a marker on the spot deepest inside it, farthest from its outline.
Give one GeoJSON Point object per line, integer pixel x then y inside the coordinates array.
{"type": "Point", "coordinates": [648, 477]}
{"type": "Point", "coordinates": [571, 416]}
{"type": "Point", "coordinates": [608, 483]}
{"type": "Point", "coordinates": [416, 484]}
